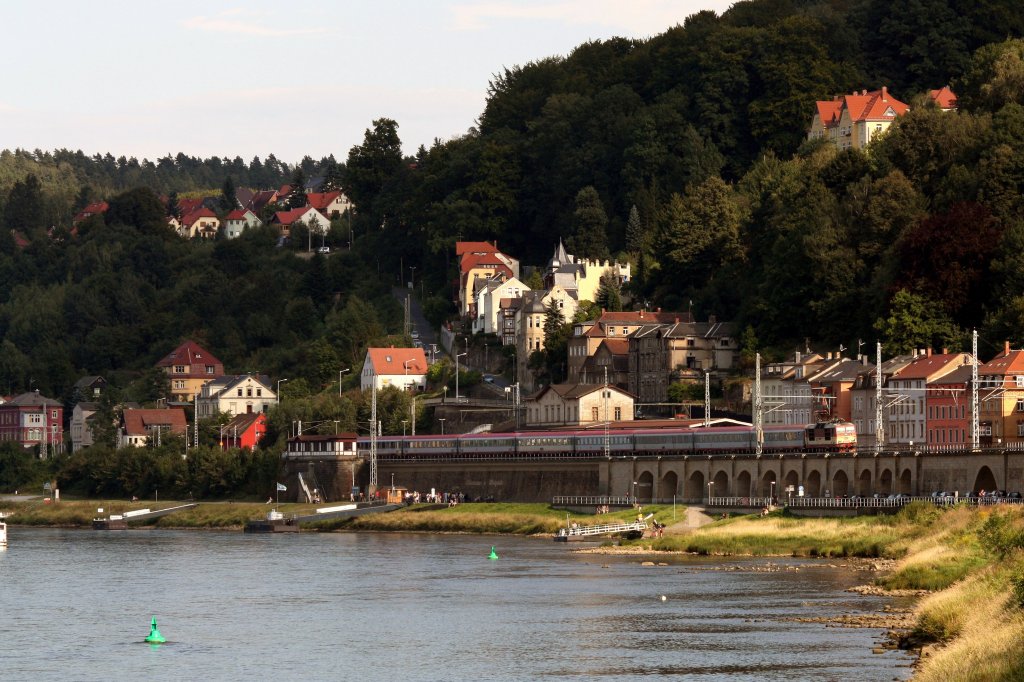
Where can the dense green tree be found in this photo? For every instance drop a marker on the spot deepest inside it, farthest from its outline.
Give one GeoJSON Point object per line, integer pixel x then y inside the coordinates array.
{"type": "Point", "coordinates": [589, 227]}
{"type": "Point", "coordinates": [24, 207]}
{"type": "Point", "coordinates": [228, 200]}
{"type": "Point", "coordinates": [608, 296]}
{"type": "Point", "coordinates": [701, 232]}
{"type": "Point", "coordinates": [914, 321]}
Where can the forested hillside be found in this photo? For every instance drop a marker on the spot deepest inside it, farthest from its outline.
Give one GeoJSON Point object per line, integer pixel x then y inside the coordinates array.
{"type": "Point", "coordinates": [683, 153]}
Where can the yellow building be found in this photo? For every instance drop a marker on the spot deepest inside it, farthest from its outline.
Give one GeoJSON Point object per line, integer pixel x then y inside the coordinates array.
{"type": "Point", "coordinates": [189, 367]}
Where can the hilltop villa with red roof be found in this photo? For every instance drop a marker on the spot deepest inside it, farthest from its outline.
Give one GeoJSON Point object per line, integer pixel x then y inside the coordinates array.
{"type": "Point", "coordinates": [404, 368]}
{"type": "Point", "coordinates": [852, 121]}
{"type": "Point", "coordinates": [480, 261]}
{"type": "Point", "coordinates": [189, 367]}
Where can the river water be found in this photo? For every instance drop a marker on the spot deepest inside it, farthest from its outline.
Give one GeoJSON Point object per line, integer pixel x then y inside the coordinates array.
{"type": "Point", "coordinates": [76, 605]}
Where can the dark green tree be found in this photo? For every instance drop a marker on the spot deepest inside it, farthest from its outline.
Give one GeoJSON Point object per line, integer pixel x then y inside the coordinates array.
{"type": "Point", "coordinates": [589, 227]}
{"type": "Point", "coordinates": [228, 200]}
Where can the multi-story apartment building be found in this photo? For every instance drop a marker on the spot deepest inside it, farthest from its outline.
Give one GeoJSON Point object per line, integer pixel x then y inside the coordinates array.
{"type": "Point", "coordinates": [948, 419]}
{"type": "Point", "coordinates": [30, 420]}
{"type": "Point", "coordinates": [908, 395]}
{"type": "Point", "coordinates": [1001, 392]}
{"type": "Point", "coordinates": [660, 354]}
{"type": "Point", "coordinates": [864, 398]}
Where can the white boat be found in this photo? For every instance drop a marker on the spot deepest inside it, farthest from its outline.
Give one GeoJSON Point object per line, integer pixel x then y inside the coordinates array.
{"type": "Point", "coordinates": [3, 534]}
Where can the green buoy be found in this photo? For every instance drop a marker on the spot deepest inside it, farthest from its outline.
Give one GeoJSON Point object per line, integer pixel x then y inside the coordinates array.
{"type": "Point", "coordinates": [154, 634]}
{"type": "Point", "coordinates": [494, 555]}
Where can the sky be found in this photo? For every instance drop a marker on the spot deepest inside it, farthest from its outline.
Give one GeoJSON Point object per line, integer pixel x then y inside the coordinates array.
{"type": "Point", "coordinates": [146, 79]}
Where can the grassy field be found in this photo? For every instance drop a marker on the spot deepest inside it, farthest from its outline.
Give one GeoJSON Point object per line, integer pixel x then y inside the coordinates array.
{"type": "Point", "coordinates": [507, 518]}
{"type": "Point", "coordinates": [79, 513]}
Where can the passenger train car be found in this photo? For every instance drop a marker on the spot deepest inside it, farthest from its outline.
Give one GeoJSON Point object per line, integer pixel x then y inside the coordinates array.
{"type": "Point", "coordinates": [829, 437]}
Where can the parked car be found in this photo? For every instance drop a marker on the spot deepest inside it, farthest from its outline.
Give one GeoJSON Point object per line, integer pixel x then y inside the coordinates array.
{"type": "Point", "coordinates": [324, 249]}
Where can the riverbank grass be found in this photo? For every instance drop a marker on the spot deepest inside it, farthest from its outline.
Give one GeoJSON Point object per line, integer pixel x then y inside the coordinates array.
{"type": "Point", "coordinates": [501, 518]}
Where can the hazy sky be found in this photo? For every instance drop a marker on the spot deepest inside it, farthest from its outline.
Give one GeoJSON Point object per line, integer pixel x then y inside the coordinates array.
{"type": "Point", "coordinates": [145, 78]}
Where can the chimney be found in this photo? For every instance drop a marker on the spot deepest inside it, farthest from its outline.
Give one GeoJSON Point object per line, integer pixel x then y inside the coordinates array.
{"type": "Point", "coordinates": [1006, 348]}
{"type": "Point", "coordinates": [796, 357]}
{"type": "Point", "coordinates": [863, 92]}
{"type": "Point", "coordinates": [712, 319]}
{"type": "Point", "coordinates": [945, 351]}
{"type": "Point", "coordinates": [658, 310]}
{"type": "Point", "coordinates": [864, 359]}
{"type": "Point", "coordinates": [885, 94]}
{"type": "Point", "coordinates": [641, 314]}
{"type": "Point", "coordinates": [928, 352]}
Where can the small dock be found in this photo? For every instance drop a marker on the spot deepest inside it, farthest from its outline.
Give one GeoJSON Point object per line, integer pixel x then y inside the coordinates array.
{"type": "Point", "coordinates": [120, 521]}
{"type": "Point", "coordinates": [630, 529]}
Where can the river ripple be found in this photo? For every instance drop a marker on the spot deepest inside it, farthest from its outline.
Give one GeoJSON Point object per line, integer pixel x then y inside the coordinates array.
{"type": "Point", "coordinates": [76, 604]}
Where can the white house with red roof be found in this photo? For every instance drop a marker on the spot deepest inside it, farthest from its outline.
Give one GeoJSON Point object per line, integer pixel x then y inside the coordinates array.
{"type": "Point", "coordinates": [852, 121]}
{"type": "Point", "coordinates": [202, 222]}
{"type": "Point", "coordinates": [331, 204]}
{"type": "Point", "coordinates": [238, 221]}
{"type": "Point", "coordinates": [404, 368]}
{"type": "Point", "coordinates": [141, 427]}
{"type": "Point", "coordinates": [316, 221]}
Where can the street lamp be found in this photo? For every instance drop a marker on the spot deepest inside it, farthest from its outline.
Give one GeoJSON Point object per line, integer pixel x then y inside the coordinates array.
{"type": "Point", "coordinates": [771, 493]}
{"type": "Point", "coordinates": [634, 492]}
{"type": "Point", "coordinates": [279, 382]}
{"type": "Point", "coordinates": [340, 372]}
{"type": "Point", "coordinates": [711, 485]}
{"type": "Point", "coordinates": [412, 278]}
{"type": "Point", "coordinates": [457, 356]}
{"type": "Point", "coordinates": [441, 419]}
{"type": "Point", "coordinates": [404, 422]}
{"type": "Point", "coordinates": [444, 398]}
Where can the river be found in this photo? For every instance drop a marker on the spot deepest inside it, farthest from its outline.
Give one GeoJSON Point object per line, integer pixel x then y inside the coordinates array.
{"type": "Point", "coordinates": [76, 604]}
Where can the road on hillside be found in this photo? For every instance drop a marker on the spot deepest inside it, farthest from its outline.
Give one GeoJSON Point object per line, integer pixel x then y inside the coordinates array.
{"type": "Point", "coordinates": [419, 322]}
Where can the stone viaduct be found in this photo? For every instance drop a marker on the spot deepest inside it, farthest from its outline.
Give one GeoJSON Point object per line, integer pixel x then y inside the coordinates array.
{"type": "Point", "coordinates": [686, 478]}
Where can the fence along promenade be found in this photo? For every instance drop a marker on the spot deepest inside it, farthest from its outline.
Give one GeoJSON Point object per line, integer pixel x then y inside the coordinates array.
{"type": "Point", "coordinates": [859, 502]}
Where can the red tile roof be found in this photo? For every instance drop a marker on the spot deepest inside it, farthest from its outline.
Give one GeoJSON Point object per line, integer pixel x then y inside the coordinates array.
{"type": "Point", "coordinates": [290, 216]}
{"type": "Point", "coordinates": [397, 360]}
{"type": "Point", "coordinates": [828, 111]}
{"type": "Point", "coordinates": [90, 210]}
{"type": "Point", "coordinates": [944, 97]}
{"type": "Point", "coordinates": [474, 247]}
{"type": "Point", "coordinates": [237, 214]}
{"type": "Point", "coordinates": [261, 199]}
{"type": "Point", "coordinates": [321, 200]}
{"type": "Point", "coordinates": [475, 260]}
{"type": "Point", "coordinates": [197, 215]}
{"type": "Point", "coordinates": [616, 346]}
{"type": "Point", "coordinates": [1011, 361]}
{"type": "Point", "coordinates": [925, 366]}
{"type": "Point", "coordinates": [137, 421]}
{"type": "Point", "coordinates": [191, 353]}
{"type": "Point", "coordinates": [189, 205]}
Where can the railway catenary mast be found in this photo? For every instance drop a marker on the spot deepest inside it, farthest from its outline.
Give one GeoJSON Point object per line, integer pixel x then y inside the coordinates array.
{"type": "Point", "coordinates": [879, 425]}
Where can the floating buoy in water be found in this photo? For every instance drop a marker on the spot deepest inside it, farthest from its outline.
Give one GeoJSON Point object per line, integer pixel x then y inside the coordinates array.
{"type": "Point", "coordinates": [493, 555]}
{"type": "Point", "coordinates": [664, 598]}
{"type": "Point", "coordinates": [154, 634]}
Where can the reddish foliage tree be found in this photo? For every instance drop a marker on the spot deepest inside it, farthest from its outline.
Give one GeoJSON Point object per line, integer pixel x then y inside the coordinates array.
{"type": "Point", "coordinates": [947, 258]}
